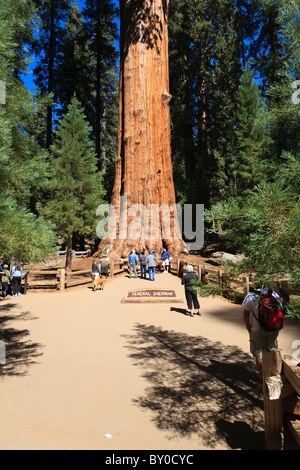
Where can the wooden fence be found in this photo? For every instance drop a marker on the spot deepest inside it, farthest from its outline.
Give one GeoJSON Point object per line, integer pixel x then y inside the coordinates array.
{"type": "Point", "coordinates": [241, 285]}
{"type": "Point", "coordinates": [60, 279]}
{"type": "Point", "coordinates": [76, 254]}
{"type": "Point", "coordinates": [281, 387]}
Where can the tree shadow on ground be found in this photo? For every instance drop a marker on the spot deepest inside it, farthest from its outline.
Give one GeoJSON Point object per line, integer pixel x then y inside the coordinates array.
{"type": "Point", "coordinates": [20, 353]}
{"type": "Point", "coordinates": [199, 387]}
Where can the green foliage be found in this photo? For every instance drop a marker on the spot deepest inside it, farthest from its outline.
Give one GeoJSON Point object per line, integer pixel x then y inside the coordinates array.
{"type": "Point", "coordinates": [75, 185]}
{"type": "Point", "coordinates": [252, 138]}
{"type": "Point", "coordinates": [266, 227]}
{"type": "Point", "coordinates": [206, 289]}
{"type": "Point", "coordinates": [24, 236]}
{"type": "Point", "coordinates": [23, 163]}
{"type": "Point", "coordinates": [204, 77]}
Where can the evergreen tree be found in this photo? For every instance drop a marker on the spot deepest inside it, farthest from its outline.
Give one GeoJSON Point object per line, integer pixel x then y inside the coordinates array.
{"type": "Point", "coordinates": [101, 29]}
{"type": "Point", "coordinates": [48, 50]}
{"type": "Point", "coordinates": [74, 68]}
{"type": "Point", "coordinates": [252, 138]}
{"type": "Point", "coordinates": [205, 52]}
{"type": "Point", "coordinates": [75, 185]}
{"type": "Point", "coordinates": [269, 49]}
{"type": "Point", "coordinates": [182, 105]}
{"type": "Point", "coordinates": [22, 161]}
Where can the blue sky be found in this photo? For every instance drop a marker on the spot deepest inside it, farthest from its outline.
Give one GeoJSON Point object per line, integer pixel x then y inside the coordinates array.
{"type": "Point", "coordinates": [28, 78]}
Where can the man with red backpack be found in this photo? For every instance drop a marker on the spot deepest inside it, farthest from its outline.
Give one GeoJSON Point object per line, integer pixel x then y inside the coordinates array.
{"type": "Point", "coordinates": [263, 317]}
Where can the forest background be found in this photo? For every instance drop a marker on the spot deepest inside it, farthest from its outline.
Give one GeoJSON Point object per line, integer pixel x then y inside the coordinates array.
{"type": "Point", "coordinates": [235, 123]}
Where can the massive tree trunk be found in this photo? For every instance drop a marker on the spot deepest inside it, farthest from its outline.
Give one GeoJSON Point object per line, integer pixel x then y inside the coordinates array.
{"type": "Point", "coordinates": [143, 167]}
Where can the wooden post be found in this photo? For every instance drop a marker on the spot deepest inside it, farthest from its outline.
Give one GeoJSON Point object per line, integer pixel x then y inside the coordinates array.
{"type": "Point", "coordinates": [200, 272]}
{"type": "Point", "coordinates": [247, 284]}
{"type": "Point", "coordinates": [178, 267]}
{"type": "Point", "coordinates": [25, 282]}
{"type": "Point", "coordinates": [272, 366]}
{"type": "Point", "coordinates": [62, 279]}
{"type": "Point", "coordinates": [112, 269]}
{"type": "Point", "coordinates": [291, 371]}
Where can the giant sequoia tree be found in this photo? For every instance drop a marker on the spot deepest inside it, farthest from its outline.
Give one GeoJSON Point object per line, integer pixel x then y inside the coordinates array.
{"type": "Point", "coordinates": [143, 165]}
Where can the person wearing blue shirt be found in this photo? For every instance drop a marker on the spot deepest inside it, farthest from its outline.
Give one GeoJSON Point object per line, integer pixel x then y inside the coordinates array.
{"type": "Point", "coordinates": [165, 257]}
{"type": "Point", "coordinates": [133, 261]}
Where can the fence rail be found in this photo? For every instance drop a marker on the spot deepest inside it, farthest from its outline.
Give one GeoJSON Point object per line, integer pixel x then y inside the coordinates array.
{"type": "Point", "coordinates": [61, 279]}
{"type": "Point", "coordinates": [281, 387]}
{"type": "Point", "coordinates": [241, 284]}
{"type": "Point", "coordinates": [76, 254]}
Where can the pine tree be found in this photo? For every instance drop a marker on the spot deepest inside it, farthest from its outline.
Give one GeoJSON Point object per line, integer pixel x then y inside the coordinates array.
{"type": "Point", "coordinates": [101, 30]}
{"type": "Point", "coordinates": [182, 105]}
{"type": "Point", "coordinates": [48, 49]}
{"type": "Point", "coordinates": [74, 67]}
{"type": "Point", "coordinates": [75, 185]}
{"type": "Point", "coordinates": [22, 161]}
{"type": "Point", "coordinates": [269, 49]}
{"type": "Point", "coordinates": [252, 138]}
{"type": "Point", "coordinates": [205, 50]}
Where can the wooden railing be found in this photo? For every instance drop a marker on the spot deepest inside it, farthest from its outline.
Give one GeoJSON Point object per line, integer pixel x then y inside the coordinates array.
{"type": "Point", "coordinates": [281, 387]}
{"type": "Point", "coordinates": [240, 284]}
{"type": "Point", "coordinates": [60, 279]}
{"type": "Point", "coordinates": [76, 254]}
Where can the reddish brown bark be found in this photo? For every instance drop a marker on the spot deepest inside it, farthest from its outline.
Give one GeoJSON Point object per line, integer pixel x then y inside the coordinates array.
{"type": "Point", "coordinates": [143, 167]}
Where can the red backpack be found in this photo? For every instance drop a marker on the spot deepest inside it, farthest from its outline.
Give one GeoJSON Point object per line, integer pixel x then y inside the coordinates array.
{"type": "Point", "coordinates": [270, 313]}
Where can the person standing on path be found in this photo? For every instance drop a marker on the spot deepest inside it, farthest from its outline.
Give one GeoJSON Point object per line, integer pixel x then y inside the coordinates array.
{"type": "Point", "coordinates": [166, 260]}
{"type": "Point", "coordinates": [1, 275]}
{"type": "Point", "coordinates": [133, 261]}
{"type": "Point", "coordinates": [95, 268]}
{"type": "Point", "coordinates": [151, 265]}
{"type": "Point", "coordinates": [143, 263]}
{"type": "Point", "coordinates": [104, 263]}
{"type": "Point", "coordinates": [16, 277]}
{"type": "Point", "coordinates": [188, 281]}
{"type": "Point", "coordinates": [5, 280]}
{"type": "Point", "coordinates": [259, 338]}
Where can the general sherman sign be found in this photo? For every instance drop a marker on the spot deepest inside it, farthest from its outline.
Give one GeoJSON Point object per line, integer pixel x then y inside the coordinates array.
{"type": "Point", "coordinates": [151, 295]}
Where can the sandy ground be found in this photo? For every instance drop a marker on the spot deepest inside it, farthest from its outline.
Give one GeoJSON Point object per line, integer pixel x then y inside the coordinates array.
{"type": "Point", "coordinates": [82, 365]}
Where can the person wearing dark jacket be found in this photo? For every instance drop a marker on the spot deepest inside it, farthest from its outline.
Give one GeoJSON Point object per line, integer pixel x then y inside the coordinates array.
{"type": "Point", "coordinates": [143, 263]}
{"type": "Point", "coordinates": [188, 281]}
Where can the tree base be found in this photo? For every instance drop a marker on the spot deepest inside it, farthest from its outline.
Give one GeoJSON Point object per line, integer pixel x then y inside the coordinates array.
{"type": "Point", "coordinates": [117, 249]}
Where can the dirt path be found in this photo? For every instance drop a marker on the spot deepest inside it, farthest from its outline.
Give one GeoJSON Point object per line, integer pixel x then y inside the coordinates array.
{"type": "Point", "coordinates": [81, 365]}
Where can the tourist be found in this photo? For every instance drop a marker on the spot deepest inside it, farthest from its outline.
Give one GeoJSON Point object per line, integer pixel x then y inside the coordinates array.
{"type": "Point", "coordinates": [151, 265]}
{"type": "Point", "coordinates": [1, 274]}
{"type": "Point", "coordinates": [166, 260]}
{"type": "Point", "coordinates": [104, 267]}
{"type": "Point", "coordinates": [260, 339]}
{"type": "Point", "coordinates": [133, 261]}
{"type": "Point", "coordinates": [5, 280]}
{"type": "Point", "coordinates": [16, 278]}
{"type": "Point", "coordinates": [96, 269]}
{"type": "Point", "coordinates": [143, 264]}
{"type": "Point", "coordinates": [188, 281]}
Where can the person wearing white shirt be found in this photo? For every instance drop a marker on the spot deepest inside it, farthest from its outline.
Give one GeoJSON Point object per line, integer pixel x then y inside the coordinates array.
{"type": "Point", "coordinates": [260, 339]}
